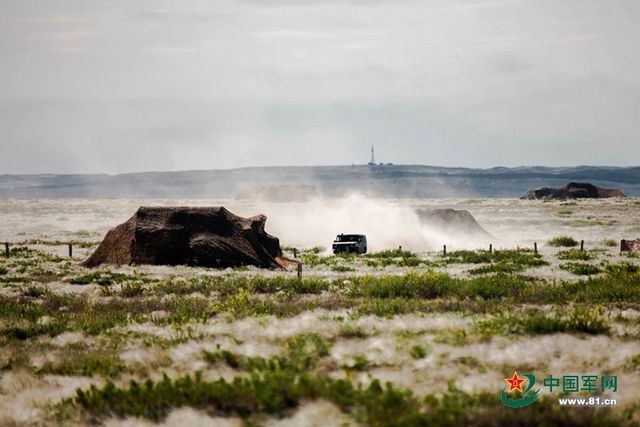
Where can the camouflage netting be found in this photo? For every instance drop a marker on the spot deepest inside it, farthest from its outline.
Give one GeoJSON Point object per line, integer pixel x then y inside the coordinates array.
{"type": "Point", "coordinates": [573, 190]}
{"type": "Point", "coordinates": [630, 245]}
{"type": "Point", "coordinates": [209, 237]}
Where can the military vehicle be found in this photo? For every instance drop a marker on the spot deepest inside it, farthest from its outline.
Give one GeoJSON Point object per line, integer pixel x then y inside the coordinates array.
{"type": "Point", "coordinates": [350, 243]}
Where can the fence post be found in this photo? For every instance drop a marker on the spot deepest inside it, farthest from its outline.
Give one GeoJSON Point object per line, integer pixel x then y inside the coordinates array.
{"type": "Point", "coordinates": [621, 245]}
{"type": "Point", "coordinates": [535, 247]}
{"type": "Point", "coordinates": [445, 249]}
{"type": "Point", "coordinates": [295, 253]}
{"type": "Point", "coordinates": [582, 245]}
{"type": "Point", "coordinates": [299, 271]}
{"type": "Point", "coordinates": [70, 250]}
{"type": "Point", "coordinates": [6, 248]}
{"type": "Point", "coordinates": [400, 248]}
{"type": "Point", "coordinates": [490, 247]}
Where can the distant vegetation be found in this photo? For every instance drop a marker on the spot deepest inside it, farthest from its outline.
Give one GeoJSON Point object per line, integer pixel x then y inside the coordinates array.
{"type": "Point", "coordinates": [564, 240]}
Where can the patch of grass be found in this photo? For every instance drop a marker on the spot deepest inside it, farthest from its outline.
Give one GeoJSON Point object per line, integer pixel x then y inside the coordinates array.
{"type": "Point", "coordinates": [577, 255]}
{"type": "Point", "coordinates": [535, 322]}
{"type": "Point", "coordinates": [132, 289]}
{"type": "Point", "coordinates": [313, 259]}
{"type": "Point", "coordinates": [633, 363]}
{"type": "Point", "coordinates": [392, 253]}
{"type": "Point", "coordinates": [396, 257]}
{"type": "Point", "coordinates": [350, 332]}
{"type": "Point", "coordinates": [342, 268]}
{"type": "Point", "coordinates": [360, 363]}
{"type": "Point", "coordinates": [581, 269]}
{"type": "Point", "coordinates": [3, 271]}
{"type": "Point", "coordinates": [468, 257]}
{"type": "Point", "coordinates": [563, 240]}
{"type": "Point", "coordinates": [418, 352]}
{"type": "Point", "coordinates": [102, 278]}
{"type": "Point", "coordinates": [86, 364]}
{"type": "Point", "coordinates": [500, 261]}
{"type": "Point", "coordinates": [302, 353]}
{"type": "Point", "coordinates": [275, 392]}
{"type": "Point", "coordinates": [24, 331]}
{"type": "Point", "coordinates": [179, 287]}
{"type": "Point", "coordinates": [438, 285]}
{"type": "Point", "coordinates": [623, 268]}
{"type": "Point", "coordinates": [610, 243]}
{"type": "Point", "coordinates": [35, 291]}
{"type": "Point", "coordinates": [496, 268]}
{"type": "Point", "coordinates": [451, 337]}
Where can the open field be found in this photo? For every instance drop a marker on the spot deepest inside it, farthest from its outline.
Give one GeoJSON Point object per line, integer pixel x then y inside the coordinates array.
{"type": "Point", "coordinates": [395, 337]}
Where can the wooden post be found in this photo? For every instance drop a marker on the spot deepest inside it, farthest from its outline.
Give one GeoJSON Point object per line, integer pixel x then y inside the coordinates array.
{"type": "Point", "coordinates": [490, 247]}
{"type": "Point", "coordinates": [400, 248]}
{"type": "Point", "coordinates": [6, 248]}
{"type": "Point", "coordinates": [444, 249]}
{"type": "Point", "coordinates": [70, 250]}
{"type": "Point", "coordinates": [295, 253]}
{"type": "Point", "coordinates": [621, 245]}
{"type": "Point", "coordinates": [582, 245]}
{"type": "Point", "coordinates": [299, 271]}
{"type": "Point", "coordinates": [535, 247]}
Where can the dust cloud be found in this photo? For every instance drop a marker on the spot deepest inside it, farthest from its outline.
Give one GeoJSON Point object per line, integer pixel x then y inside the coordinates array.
{"type": "Point", "coordinates": [386, 224]}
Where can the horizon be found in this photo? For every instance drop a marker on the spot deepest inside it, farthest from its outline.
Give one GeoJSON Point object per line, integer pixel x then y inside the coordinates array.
{"type": "Point", "coordinates": [324, 166]}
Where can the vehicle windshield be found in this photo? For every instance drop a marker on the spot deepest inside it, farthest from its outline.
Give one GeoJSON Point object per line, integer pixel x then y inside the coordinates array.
{"type": "Point", "coordinates": [348, 238]}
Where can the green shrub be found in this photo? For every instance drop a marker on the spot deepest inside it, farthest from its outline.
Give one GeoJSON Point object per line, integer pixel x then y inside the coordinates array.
{"type": "Point", "coordinates": [581, 269]}
{"type": "Point", "coordinates": [633, 362]}
{"type": "Point", "coordinates": [342, 268]}
{"type": "Point", "coordinates": [85, 364]}
{"type": "Point", "coordinates": [101, 278]}
{"type": "Point", "coordinates": [468, 257]}
{"type": "Point", "coordinates": [349, 332]}
{"type": "Point", "coordinates": [535, 322]}
{"type": "Point", "coordinates": [34, 291]}
{"type": "Point", "coordinates": [131, 289]}
{"type": "Point", "coordinates": [276, 392]}
{"type": "Point", "coordinates": [360, 363]}
{"type": "Point", "coordinates": [623, 268]}
{"type": "Point", "coordinates": [392, 253]}
{"type": "Point", "coordinates": [500, 261]}
{"type": "Point", "coordinates": [576, 255]}
{"type": "Point", "coordinates": [564, 240]}
{"type": "Point", "coordinates": [418, 352]}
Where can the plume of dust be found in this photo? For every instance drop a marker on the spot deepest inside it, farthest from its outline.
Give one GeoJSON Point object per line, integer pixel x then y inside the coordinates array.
{"type": "Point", "coordinates": [386, 224]}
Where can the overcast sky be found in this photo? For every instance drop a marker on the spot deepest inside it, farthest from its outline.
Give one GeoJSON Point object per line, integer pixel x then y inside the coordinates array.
{"type": "Point", "coordinates": [92, 86]}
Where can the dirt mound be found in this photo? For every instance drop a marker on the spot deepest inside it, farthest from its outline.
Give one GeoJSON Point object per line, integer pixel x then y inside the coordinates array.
{"type": "Point", "coordinates": [573, 190]}
{"type": "Point", "coordinates": [209, 237]}
{"type": "Point", "coordinates": [457, 223]}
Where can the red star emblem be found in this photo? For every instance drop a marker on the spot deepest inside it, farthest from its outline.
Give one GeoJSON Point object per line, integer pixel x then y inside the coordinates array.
{"type": "Point", "coordinates": [515, 382]}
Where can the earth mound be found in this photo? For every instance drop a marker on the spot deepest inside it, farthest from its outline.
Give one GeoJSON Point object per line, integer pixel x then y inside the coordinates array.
{"type": "Point", "coordinates": [573, 190]}
{"type": "Point", "coordinates": [457, 223]}
{"type": "Point", "coordinates": [206, 236]}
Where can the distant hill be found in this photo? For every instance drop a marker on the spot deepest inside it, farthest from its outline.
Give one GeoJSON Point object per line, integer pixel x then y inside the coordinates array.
{"type": "Point", "coordinates": [397, 181]}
